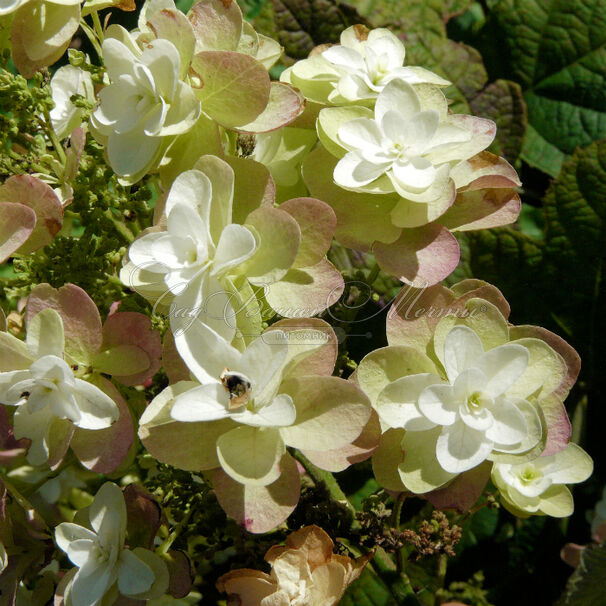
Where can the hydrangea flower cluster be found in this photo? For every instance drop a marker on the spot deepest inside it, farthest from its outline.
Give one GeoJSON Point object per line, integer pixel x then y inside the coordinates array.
{"type": "Point", "coordinates": [225, 210]}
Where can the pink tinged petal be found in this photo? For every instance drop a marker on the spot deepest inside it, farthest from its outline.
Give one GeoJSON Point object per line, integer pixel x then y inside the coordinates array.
{"type": "Point", "coordinates": [66, 532]}
{"type": "Point", "coordinates": [236, 245]}
{"type": "Point", "coordinates": [482, 134]}
{"type": "Point", "coordinates": [331, 413]}
{"type": "Point", "coordinates": [342, 56]}
{"type": "Point", "coordinates": [103, 450]}
{"type": "Point", "coordinates": [482, 209]}
{"type": "Point", "coordinates": [279, 236]}
{"type": "Point", "coordinates": [260, 508]}
{"type": "Point", "coordinates": [135, 330]}
{"type": "Point", "coordinates": [422, 256]}
{"type": "Point", "coordinates": [317, 221]}
{"type": "Point", "coordinates": [80, 551]}
{"type": "Point", "coordinates": [306, 291]}
{"type": "Point", "coordinates": [352, 171]}
{"type": "Point", "coordinates": [189, 446]}
{"type": "Point", "coordinates": [559, 428]}
{"type": "Point", "coordinates": [236, 87]}
{"type": "Point", "coordinates": [485, 170]}
{"type": "Point", "coordinates": [33, 193]}
{"type": "Point", "coordinates": [398, 96]}
{"type": "Point", "coordinates": [460, 448]}
{"type": "Point", "coordinates": [360, 134]}
{"type": "Point", "coordinates": [359, 450]}
{"type": "Point", "coordinates": [510, 426]}
{"type": "Point", "coordinates": [503, 366]}
{"type": "Point", "coordinates": [251, 455]}
{"type": "Point", "coordinates": [286, 103]}
{"type": "Point", "coordinates": [216, 25]}
{"type": "Point", "coordinates": [17, 222]}
{"type": "Point", "coordinates": [397, 403]}
{"type": "Point", "coordinates": [462, 349]}
{"type": "Point", "coordinates": [205, 403]}
{"type": "Point", "coordinates": [463, 491]}
{"type": "Point", "coordinates": [97, 409]}
{"type": "Point", "coordinates": [280, 412]}
{"type": "Point", "coordinates": [134, 576]}
{"type": "Point", "coordinates": [416, 174]}
{"type": "Point", "coordinates": [439, 404]}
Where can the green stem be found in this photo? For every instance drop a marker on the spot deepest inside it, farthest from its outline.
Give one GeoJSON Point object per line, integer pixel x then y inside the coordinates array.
{"type": "Point", "coordinates": [90, 34]}
{"type": "Point", "coordinates": [120, 227]}
{"type": "Point", "coordinates": [373, 275]}
{"type": "Point", "coordinates": [172, 537]}
{"type": "Point", "coordinates": [442, 567]}
{"type": "Point", "coordinates": [50, 131]}
{"type": "Point", "coordinates": [319, 476]}
{"type": "Point", "coordinates": [97, 24]}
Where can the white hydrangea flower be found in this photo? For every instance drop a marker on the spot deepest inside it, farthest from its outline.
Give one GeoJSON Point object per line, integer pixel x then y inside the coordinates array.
{"type": "Point", "coordinates": [366, 66]}
{"type": "Point", "coordinates": [538, 486]}
{"type": "Point", "coordinates": [48, 391]}
{"type": "Point", "coordinates": [412, 147]}
{"type": "Point", "coordinates": [476, 414]}
{"type": "Point", "coordinates": [68, 81]}
{"type": "Point", "coordinates": [144, 103]}
{"type": "Point", "coordinates": [241, 387]}
{"type": "Point", "coordinates": [100, 556]}
{"type": "Point", "coordinates": [199, 246]}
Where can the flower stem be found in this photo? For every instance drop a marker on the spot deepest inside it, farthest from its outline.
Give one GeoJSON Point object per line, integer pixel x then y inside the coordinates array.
{"type": "Point", "coordinates": [373, 275]}
{"type": "Point", "coordinates": [90, 34]}
{"type": "Point", "coordinates": [325, 478]}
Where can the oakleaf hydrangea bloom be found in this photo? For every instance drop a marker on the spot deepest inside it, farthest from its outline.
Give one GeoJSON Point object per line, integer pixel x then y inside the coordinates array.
{"type": "Point", "coordinates": [410, 145]}
{"type": "Point", "coordinates": [357, 70]}
{"type": "Point", "coordinates": [366, 65]}
{"type": "Point", "coordinates": [186, 249]}
{"type": "Point", "coordinates": [199, 246]}
{"type": "Point", "coordinates": [244, 388]}
{"type": "Point", "coordinates": [538, 486]}
{"type": "Point", "coordinates": [144, 104]}
{"type": "Point", "coordinates": [474, 410]}
{"type": "Point", "coordinates": [104, 566]}
{"type": "Point", "coordinates": [48, 397]}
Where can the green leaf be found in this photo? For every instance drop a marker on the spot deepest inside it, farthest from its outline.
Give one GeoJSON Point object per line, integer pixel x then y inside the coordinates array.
{"type": "Point", "coordinates": [303, 24]}
{"type": "Point", "coordinates": [368, 590]}
{"type": "Point", "coordinates": [459, 63]}
{"type": "Point", "coordinates": [557, 52]}
{"type": "Point", "coordinates": [413, 15]}
{"type": "Point", "coordinates": [502, 102]}
{"type": "Point", "coordinates": [585, 586]}
{"type": "Point", "coordinates": [480, 527]}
